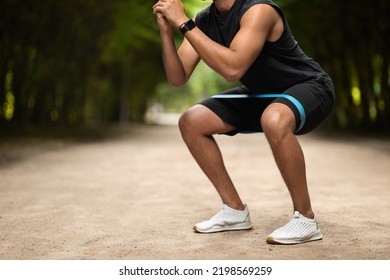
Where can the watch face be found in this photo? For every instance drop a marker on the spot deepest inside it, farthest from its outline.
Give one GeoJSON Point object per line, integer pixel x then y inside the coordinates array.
{"type": "Point", "coordinates": [189, 25]}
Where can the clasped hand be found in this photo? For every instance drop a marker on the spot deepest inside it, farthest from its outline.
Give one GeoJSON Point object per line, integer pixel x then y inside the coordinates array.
{"type": "Point", "coordinates": [171, 11]}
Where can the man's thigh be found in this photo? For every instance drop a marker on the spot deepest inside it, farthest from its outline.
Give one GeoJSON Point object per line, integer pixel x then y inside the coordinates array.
{"type": "Point", "coordinates": [204, 120]}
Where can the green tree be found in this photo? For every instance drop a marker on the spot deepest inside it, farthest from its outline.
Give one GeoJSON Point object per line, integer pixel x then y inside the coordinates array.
{"type": "Point", "coordinates": [351, 41]}
{"type": "Point", "coordinates": [76, 61]}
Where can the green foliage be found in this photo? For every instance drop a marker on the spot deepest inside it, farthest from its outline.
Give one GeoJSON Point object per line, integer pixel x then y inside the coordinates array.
{"type": "Point", "coordinates": [203, 83]}
{"type": "Point", "coordinates": [351, 41]}
{"type": "Point", "coordinates": [134, 29]}
{"type": "Point", "coordinates": [76, 61]}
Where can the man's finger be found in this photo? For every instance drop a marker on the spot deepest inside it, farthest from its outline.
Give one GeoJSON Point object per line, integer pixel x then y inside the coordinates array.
{"type": "Point", "coordinates": [159, 15]}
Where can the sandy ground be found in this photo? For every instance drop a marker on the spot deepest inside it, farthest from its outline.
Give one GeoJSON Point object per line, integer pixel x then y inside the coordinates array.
{"type": "Point", "coordinates": [136, 195]}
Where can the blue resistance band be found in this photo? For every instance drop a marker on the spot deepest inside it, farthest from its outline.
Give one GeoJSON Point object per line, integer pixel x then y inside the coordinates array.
{"type": "Point", "coordinates": [295, 101]}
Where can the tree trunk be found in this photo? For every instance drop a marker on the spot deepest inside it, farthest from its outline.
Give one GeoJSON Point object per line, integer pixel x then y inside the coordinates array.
{"type": "Point", "coordinates": [124, 93]}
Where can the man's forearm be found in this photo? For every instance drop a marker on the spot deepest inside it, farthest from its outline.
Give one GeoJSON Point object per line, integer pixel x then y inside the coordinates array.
{"type": "Point", "coordinates": [221, 59]}
{"type": "Point", "coordinates": [227, 62]}
{"type": "Point", "coordinates": [173, 65]}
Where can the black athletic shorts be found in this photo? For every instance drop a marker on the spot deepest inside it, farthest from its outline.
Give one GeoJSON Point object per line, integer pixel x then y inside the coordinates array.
{"type": "Point", "coordinates": [311, 102]}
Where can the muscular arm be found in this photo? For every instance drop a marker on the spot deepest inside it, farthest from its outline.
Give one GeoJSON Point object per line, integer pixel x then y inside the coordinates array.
{"type": "Point", "coordinates": [259, 23]}
{"type": "Point", "coordinates": [178, 64]}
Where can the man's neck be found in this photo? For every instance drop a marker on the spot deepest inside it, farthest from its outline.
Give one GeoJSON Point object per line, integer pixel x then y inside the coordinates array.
{"type": "Point", "coordinates": [224, 5]}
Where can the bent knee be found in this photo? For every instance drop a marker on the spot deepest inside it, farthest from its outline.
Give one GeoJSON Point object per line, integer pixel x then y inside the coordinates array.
{"type": "Point", "coordinates": [278, 120]}
{"type": "Point", "coordinates": [192, 120]}
{"type": "Point", "coordinates": [201, 121]}
{"type": "Point", "coordinates": [185, 121]}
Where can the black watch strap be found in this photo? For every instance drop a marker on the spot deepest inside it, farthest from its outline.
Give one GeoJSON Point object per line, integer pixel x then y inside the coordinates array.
{"type": "Point", "coordinates": [187, 26]}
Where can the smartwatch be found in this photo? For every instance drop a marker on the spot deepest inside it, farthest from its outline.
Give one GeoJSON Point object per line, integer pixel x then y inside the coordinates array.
{"type": "Point", "coordinates": [187, 26]}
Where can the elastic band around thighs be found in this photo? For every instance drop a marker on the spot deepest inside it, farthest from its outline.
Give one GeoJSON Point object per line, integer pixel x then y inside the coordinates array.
{"type": "Point", "coordinates": [292, 99]}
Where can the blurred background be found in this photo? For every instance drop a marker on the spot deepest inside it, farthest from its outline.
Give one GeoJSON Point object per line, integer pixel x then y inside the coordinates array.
{"type": "Point", "coordinates": [90, 63]}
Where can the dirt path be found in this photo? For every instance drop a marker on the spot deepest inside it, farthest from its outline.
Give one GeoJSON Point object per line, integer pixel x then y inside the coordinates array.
{"type": "Point", "coordinates": [136, 196]}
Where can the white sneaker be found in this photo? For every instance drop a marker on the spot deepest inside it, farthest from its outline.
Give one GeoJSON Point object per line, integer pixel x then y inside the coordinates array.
{"type": "Point", "coordinates": [299, 230]}
{"type": "Point", "coordinates": [226, 219]}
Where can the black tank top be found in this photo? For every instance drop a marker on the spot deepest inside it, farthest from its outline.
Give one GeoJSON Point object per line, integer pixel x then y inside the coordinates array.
{"type": "Point", "coordinates": [280, 65]}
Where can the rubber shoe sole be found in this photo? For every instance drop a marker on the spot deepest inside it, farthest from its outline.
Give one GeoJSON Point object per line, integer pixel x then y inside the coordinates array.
{"type": "Point", "coordinates": [232, 227]}
{"type": "Point", "coordinates": [225, 220]}
{"type": "Point", "coordinates": [316, 236]}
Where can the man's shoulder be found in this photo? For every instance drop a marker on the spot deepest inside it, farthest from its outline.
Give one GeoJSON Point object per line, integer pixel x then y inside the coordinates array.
{"type": "Point", "coordinates": [247, 4]}
{"type": "Point", "coordinates": [203, 14]}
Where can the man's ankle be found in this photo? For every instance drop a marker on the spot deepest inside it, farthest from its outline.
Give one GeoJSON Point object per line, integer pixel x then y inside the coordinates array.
{"type": "Point", "coordinates": [235, 206]}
